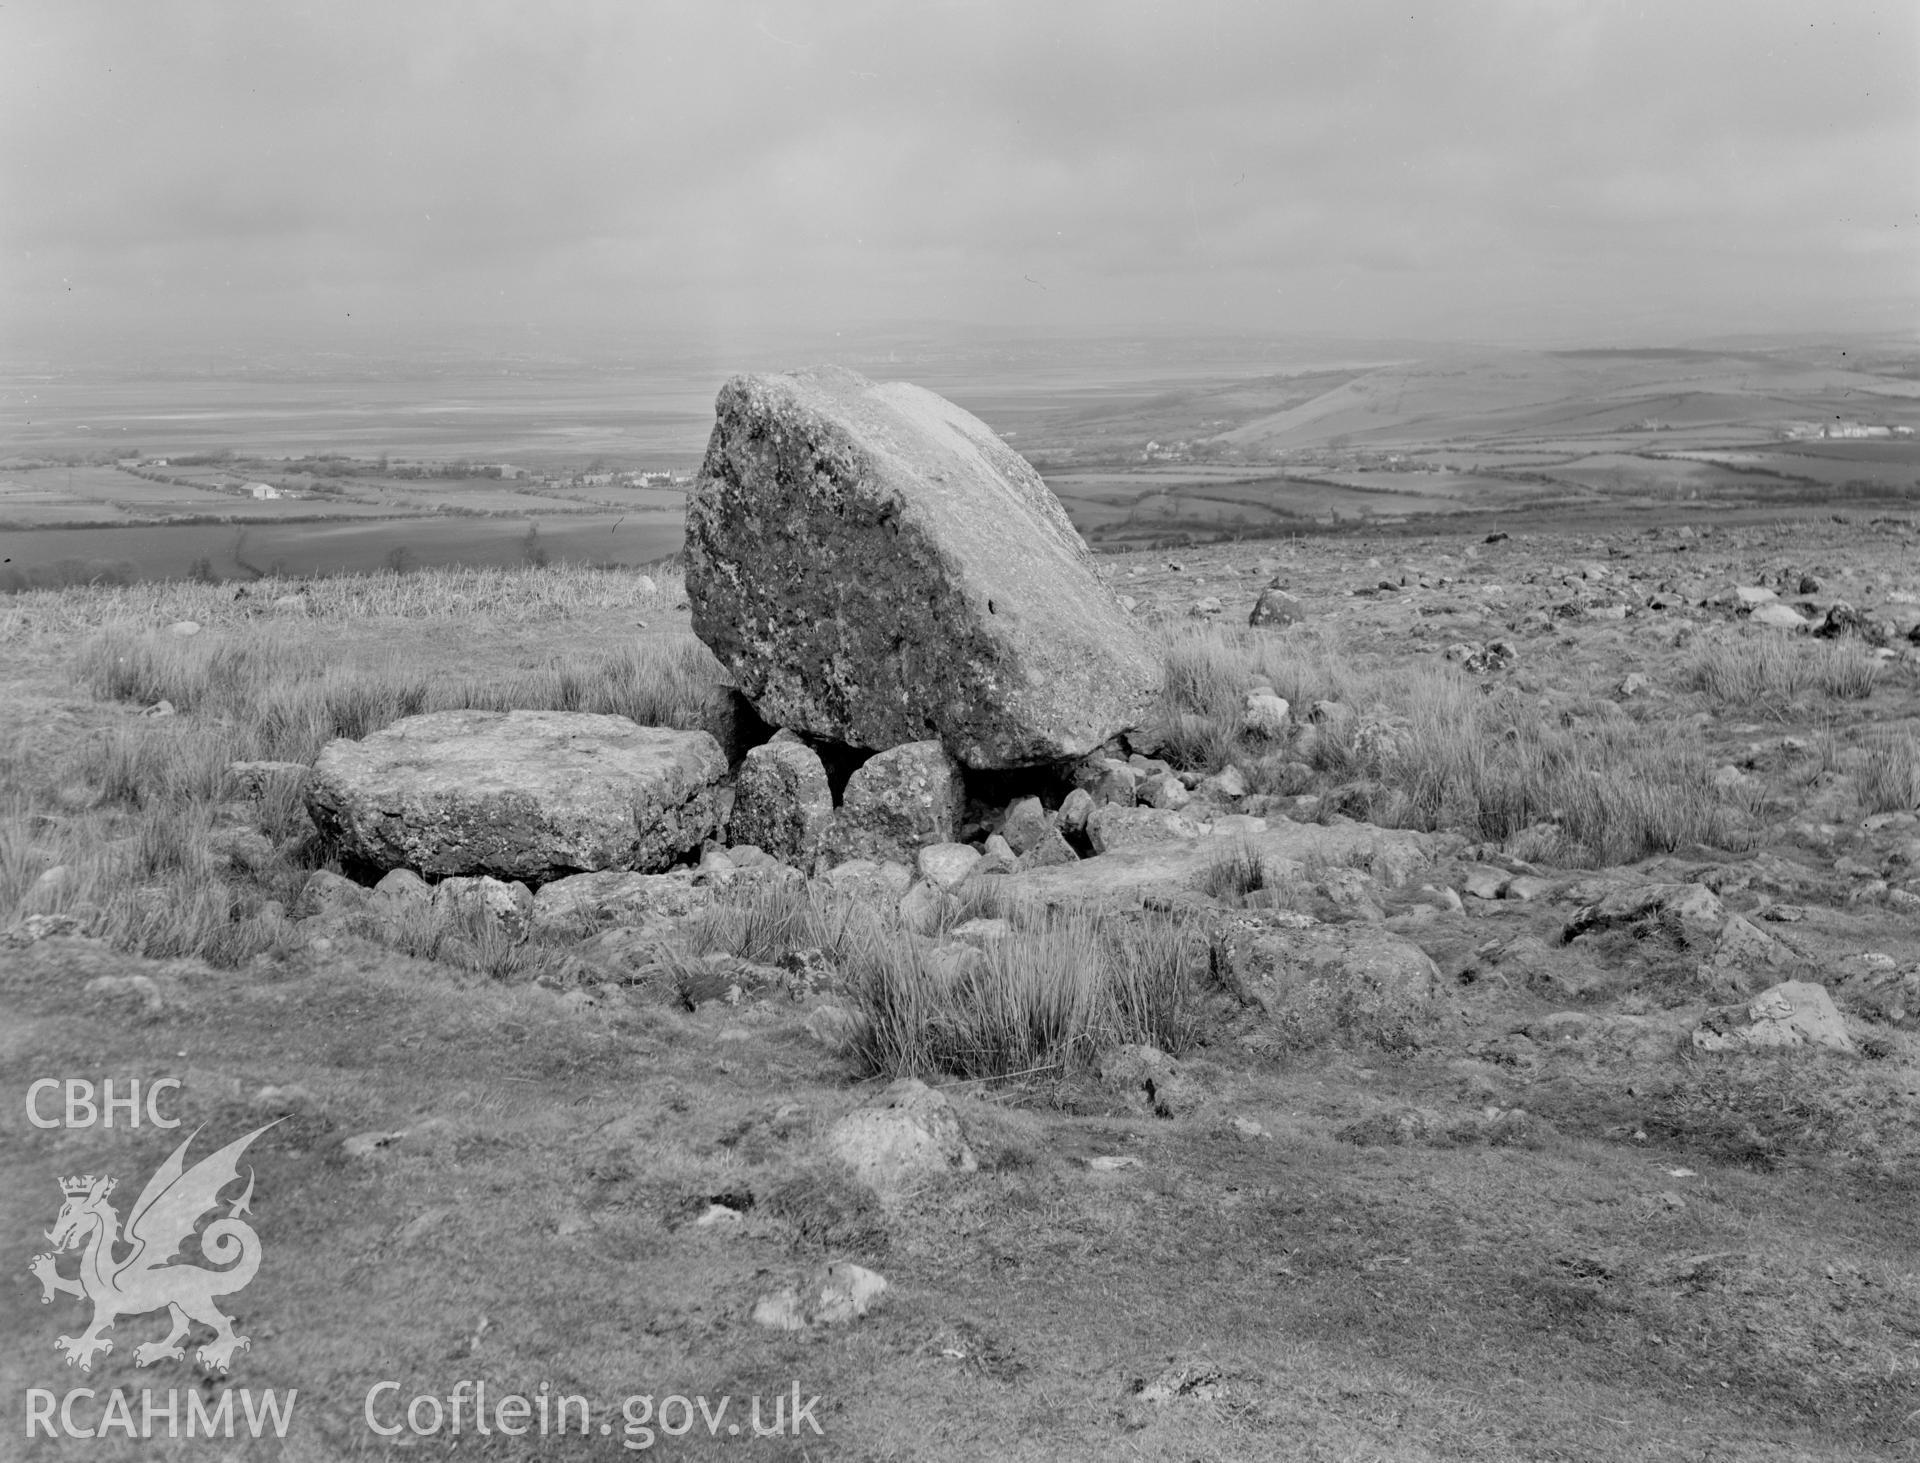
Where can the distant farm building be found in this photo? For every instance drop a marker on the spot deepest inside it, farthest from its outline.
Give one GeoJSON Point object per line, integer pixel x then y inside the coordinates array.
{"type": "Point", "coordinates": [262, 490]}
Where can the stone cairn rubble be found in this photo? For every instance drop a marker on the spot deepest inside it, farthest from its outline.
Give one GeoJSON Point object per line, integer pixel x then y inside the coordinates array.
{"type": "Point", "coordinates": [903, 600]}
{"type": "Point", "coordinates": [954, 695]}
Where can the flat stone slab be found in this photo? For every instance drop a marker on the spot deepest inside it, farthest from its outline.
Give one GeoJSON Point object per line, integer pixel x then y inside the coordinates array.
{"type": "Point", "coordinates": [1125, 876]}
{"type": "Point", "coordinates": [875, 566]}
{"type": "Point", "coordinates": [530, 795]}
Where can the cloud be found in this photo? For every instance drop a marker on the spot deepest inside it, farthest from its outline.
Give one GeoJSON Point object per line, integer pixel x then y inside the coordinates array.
{"type": "Point", "coordinates": [224, 168]}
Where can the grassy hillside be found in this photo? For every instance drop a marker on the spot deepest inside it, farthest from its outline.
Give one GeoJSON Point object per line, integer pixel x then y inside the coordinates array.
{"type": "Point", "coordinates": [1338, 1238]}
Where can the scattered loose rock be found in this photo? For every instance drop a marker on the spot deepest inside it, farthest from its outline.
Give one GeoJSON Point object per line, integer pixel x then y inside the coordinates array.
{"type": "Point", "coordinates": [1276, 607]}
{"type": "Point", "coordinates": [508, 905]}
{"type": "Point", "coordinates": [908, 1134]}
{"type": "Point", "coordinates": [1796, 1013]}
{"type": "Point", "coordinates": [614, 897]}
{"type": "Point", "coordinates": [837, 1293]}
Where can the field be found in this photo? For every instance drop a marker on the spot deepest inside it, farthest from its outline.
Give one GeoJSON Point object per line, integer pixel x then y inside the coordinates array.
{"type": "Point", "coordinates": [1145, 442]}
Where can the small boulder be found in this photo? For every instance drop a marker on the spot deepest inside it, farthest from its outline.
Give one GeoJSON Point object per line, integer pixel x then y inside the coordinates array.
{"type": "Point", "coordinates": [509, 905]}
{"type": "Point", "coordinates": [1743, 957]}
{"type": "Point", "coordinates": [1229, 785]}
{"type": "Point", "coordinates": [996, 856]}
{"type": "Point", "coordinates": [328, 893]}
{"type": "Point", "coordinates": [1523, 888]}
{"type": "Point", "coordinates": [782, 802]}
{"type": "Point", "coordinates": [1692, 910]}
{"type": "Point", "coordinates": [1796, 1013]}
{"type": "Point", "coordinates": [882, 882]}
{"type": "Point", "coordinates": [1483, 881]}
{"type": "Point", "coordinates": [1074, 809]}
{"type": "Point", "coordinates": [835, 1294]}
{"type": "Point", "coordinates": [924, 906]}
{"type": "Point", "coordinates": [1150, 1080]}
{"type": "Point", "coordinates": [945, 864]}
{"type": "Point", "coordinates": [580, 902]}
{"type": "Point", "coordinates": [1265, 715]}
{"type": "Point", "coordinates": [1276, 607]}
{"type": "Point", "coordinates": [402, 889]}
{"type": "Point", "coordinates": [1164, 790]}
{"type": "Point", "coordinates": [246, 849]}
{"type": "Point", "coordinates": [897, 803]}
{"type": "Point", "coordinates": [1317, 983]}
{"type": "Point", "coordinates": [1114, 782]}
{"type": "Point", "coordinates": [1779, 617]}
{"type": "Point", "coordinates": [1843, 619]}
{"type": "Point", "coordinates": [254, 779]}
{"type": "Point", "coordinates": [1051, 851]}
{"type": "Point", "coordinates": [1025, 825]}
{"type": "Point", "coordinates": [1112, 826]}
{"type": "Point", "coordinates": [906, 1135]}
{"type": "Point", "coordinates": [50, 884]}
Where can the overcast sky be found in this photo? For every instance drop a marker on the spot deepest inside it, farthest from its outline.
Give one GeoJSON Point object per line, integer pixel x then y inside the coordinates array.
{"type": "Point", "coordinates": [410, 171]}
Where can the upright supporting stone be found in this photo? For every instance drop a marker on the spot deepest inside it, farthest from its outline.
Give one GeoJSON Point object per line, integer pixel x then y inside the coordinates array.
{"type": "Point", "coordinates": [898, 803]}
{"type": "Point", "coordinates": [782, 802]}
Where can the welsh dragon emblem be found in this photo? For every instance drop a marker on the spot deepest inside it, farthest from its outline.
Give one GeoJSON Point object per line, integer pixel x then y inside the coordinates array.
{"type": "Point", "coordinates": [161, 1221]}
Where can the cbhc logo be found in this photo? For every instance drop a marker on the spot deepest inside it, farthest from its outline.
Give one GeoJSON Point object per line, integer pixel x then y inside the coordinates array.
{"type": "Point", "coordinates": [83, 1112]}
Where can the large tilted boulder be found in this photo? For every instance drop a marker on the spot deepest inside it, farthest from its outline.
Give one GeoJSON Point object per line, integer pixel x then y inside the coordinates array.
{"type": "Point", "coordinates": [532, 795]}
{"type": "Point", "coordinates": [874, 566]}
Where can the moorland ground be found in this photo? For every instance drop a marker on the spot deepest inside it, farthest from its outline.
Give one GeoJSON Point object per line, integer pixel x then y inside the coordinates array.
{"type": "Point", "coordinates": [1535, 1224]}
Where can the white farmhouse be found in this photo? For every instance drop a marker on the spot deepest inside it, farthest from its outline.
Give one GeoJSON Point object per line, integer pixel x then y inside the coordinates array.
{"type": "Point", "coordinates": [262, 490]}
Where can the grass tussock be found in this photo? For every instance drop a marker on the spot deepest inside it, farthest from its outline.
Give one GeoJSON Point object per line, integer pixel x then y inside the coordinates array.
{"type": "Point", "coordinates": [1614, 790]}
{"type": "Point", "coordinates": [1771, 673]}
{"type": "Point", "coordinates": [1207, 672]}
{"type": "Point", "coordinates": [1888, 777]}
{"type": "Point", "coordinates": [767, 923]}
{"type": "Point", "coordinates": [1054, 990]}
{"type": "Point", "coordinates": [1053, 993]}
{"type": "Point", "coordinates": [1424, 746]}
{"type": "Point", "coordinates": [466, 938]}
